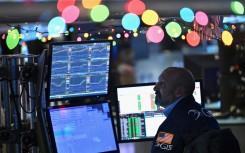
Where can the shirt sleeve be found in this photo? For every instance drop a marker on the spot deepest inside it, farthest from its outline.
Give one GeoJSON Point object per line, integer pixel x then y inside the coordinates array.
{"type": "Point", "coordinates": [168, 139]}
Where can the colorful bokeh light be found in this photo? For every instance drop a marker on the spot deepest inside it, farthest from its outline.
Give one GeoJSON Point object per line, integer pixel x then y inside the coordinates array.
{"type": "Point", "coordinates": [114, 43]}
{"type": "Point", "coordinates": [67, 33]}
{"type": "Point", "coordinates": [118, 35]}
{"type": "Point", "coordinates": [155, 34]}
{"type": "Point", "coordinates": [193, 38]}
{"type": "Point", "coordinates": [56, 26]}
{"type": "Point", "coordinates": [110, 38]}
{"type": "Point", "coordinates": [49, 37]}
{"type": "Point", "coordinates": [79, 39]}
{"type": "Point", "coordinates": [89, 4]}
{"type": "Point", "coordinates": [38, 35]}
{"type": "Point", "coordinates": [13, 38]}
{"type": "Point", "coordinates": [70, 14]}
{"type": "Point", "coordinates": [3, 36]}
{"type": "Point", "coordinates": [71, 29]}
{"type": "Point", "coordinates": [237, 7]}
{"type": "Point", "coordinates": [201, 18]}
{"type": "Point", "coordinates": [130, 21]}
{"type": "Point", "coordinates": [99, 13]}
{"type": "Point", "coordinates": [44, 39]}
{"type": "Point", "coordinates": [187, 14]}
{"type": "Point", "coordinates": [183, 37]}
{"type": "Point", "coordinates": [150, 17]}
{"type": "Point", "coordinates": [227, 38]}
{"type": "Point", "coordinates": [173, 29]}
{"type": "Point", "coordinates": [86, 35]}
{"type": "Point", "coordinates": [135, 34]}
{"type": "Point", "coordinates": [135, 6]}
{"type": "Point", "coordinates": [126, 35]}
{"type": "Point", "coordinates": [62, 4]}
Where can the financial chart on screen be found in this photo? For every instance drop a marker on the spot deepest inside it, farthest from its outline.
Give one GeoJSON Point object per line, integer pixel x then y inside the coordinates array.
{"type": "Point", "coordinates": [79, 69]}
{"type": "Point", "coordinates": [87, 128]}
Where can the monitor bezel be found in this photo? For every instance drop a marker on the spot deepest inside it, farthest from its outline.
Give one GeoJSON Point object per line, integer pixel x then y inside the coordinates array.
{"type": "Point", "coordinates": [41, 129]}
{"type": "Point", "coordinates": [117, 111]}
{"type": "Point", "coordinates": [77, 98]}
{"type": "Point", "coordinates": [49, 122]}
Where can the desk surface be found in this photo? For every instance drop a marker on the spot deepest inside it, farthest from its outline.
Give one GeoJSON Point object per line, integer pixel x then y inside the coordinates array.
{"type": "Point", "coordinates": [232, 120]}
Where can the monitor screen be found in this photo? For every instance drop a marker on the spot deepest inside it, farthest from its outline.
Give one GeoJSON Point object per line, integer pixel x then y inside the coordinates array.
{"type": "Point", "coordinates": [138, 116]}
{"type": "Point", "coordinates": [78, 69]}
{"type": "Point", "coordinates": [198, 92]}
{"type": "Point", "coordinates": [88, 128]}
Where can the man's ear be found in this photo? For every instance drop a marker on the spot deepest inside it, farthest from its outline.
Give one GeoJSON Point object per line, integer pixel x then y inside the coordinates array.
{"type": "Point", "coordinates": [179, 92]}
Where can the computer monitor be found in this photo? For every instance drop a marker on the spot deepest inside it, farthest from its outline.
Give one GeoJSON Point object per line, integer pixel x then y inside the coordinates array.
{"type": "Point", "coordinates": [138, 118]}
{"type": "Point", "coordinates": [207, 67]}
{"type": "Point", "coordinates": [84, 128]}
{"type": "Point", "coordinates": [198, 92]}
{"type": "Point", "coordinates": [79, 69]}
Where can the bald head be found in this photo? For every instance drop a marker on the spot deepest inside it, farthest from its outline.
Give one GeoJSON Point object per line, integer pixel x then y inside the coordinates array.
{"type": "Point", "coordinates": [180, 77]}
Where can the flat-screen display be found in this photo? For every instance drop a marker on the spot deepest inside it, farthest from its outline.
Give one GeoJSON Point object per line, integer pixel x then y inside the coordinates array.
{"type": "Point", "coordinates": [207, 67]}
{"type": "Point", "coordinates": [138, 117]}
{"type": "Point", "coordinates": [198, 92]}
{"type": "Point", "coordinates": [82, 128]}
{"type": "Point", "coordinates": [78, 69]}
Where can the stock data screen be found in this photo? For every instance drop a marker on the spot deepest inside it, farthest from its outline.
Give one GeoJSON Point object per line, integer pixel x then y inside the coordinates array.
{"type": "Point", "coordinates": [139, 116]}
{"type": "Point", "coordinates": [83, 128]}
{"type": "Point", "coordinates": [79, 69]}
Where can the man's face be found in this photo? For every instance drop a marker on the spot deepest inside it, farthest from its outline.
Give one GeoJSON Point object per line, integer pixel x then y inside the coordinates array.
{"type": "Point", "coordinates": [165, 93]}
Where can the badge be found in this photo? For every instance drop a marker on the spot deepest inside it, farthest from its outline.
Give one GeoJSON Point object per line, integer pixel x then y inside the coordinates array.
{"type": "Point", "coordinates": [164, 137]}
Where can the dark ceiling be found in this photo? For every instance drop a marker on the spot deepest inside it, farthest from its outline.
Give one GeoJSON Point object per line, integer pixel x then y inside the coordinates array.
{"type": "Point", "coordinates": [22, 12]}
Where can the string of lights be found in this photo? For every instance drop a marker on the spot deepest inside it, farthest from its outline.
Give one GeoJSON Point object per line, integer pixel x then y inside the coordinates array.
{"type": "Point", "coordinates": [117, 31]}
{"type": "Point", "coordinates": [200, 26]}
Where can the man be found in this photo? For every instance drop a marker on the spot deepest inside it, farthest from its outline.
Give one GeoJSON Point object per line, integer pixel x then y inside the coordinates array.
{"type": "Point", "coordinates": [185, 116]}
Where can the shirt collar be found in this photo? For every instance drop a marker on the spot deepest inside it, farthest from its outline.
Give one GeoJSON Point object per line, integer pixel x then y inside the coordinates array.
{"type": "Point", "coordinates": [170, 107]}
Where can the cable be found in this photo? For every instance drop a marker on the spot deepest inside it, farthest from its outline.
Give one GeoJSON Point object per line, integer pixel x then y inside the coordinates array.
{"type": "Point", "coordinates": [15, 106]}
{"type": "Point", "coordinates": [19, 100]}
